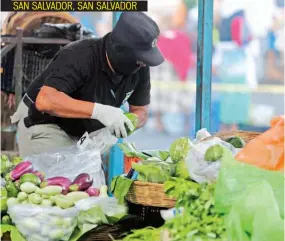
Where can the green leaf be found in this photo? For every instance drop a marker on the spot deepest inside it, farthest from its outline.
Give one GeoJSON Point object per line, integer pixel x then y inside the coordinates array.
{"type": "Point", "coordinates": [120, 187]}
{"type": "Point", "coordinates": [15, 235]}
{"type": "Point", "coordinates": [130, 150]}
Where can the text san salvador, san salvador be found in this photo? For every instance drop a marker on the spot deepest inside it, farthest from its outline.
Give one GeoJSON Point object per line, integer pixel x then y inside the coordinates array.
{"type": "Point", "coordinates": [74, 6]}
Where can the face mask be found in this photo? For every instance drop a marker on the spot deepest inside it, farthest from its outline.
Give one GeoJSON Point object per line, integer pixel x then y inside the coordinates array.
{"type": "Point", "coordinates": [122, 60]}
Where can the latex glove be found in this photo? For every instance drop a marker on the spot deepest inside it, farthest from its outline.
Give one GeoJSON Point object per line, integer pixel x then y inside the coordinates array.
{"type": "Point", "coordinates": [113, 118]}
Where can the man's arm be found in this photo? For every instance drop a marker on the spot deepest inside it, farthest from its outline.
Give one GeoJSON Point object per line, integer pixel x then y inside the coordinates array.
{"type": "Point", "coordinates": [142, 113]}
{"type": "Point", "coordinates": [140, 99]}
{"type": "Point", "coordinates": [57, 103]}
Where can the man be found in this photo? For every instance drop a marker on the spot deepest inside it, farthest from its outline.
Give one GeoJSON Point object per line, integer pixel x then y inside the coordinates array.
{"type": "Point", "coordinates": [85, 84]}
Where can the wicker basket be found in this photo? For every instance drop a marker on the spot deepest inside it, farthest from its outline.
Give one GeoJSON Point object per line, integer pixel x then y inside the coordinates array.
{"type": "Point", "coordinates": [149, 194]}
{"type": "Point", "coordinates": [247, 136]}
{"type": "Point", "coordinates": [152, 194]}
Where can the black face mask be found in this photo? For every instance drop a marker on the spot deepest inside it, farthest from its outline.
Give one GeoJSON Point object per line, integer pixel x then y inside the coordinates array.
{"type": "Point", "coordinates": [122, 59]}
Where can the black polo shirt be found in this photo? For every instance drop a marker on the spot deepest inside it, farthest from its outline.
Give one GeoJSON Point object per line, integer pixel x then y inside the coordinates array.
{"type": "Point", "coordinates": [81, 71]}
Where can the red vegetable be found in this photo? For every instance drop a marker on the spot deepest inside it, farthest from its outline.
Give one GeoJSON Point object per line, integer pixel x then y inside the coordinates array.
{"type": "Point", "coordinates": [93, 192]}
{"type": "Point", "coordinates": [19, 170]}
{"type": "Point", "coordinates": [82, 182]}
{"type": "Point", "coordinates": [40, 175]}
{"type": "Point", "coordinates": [58, 181]}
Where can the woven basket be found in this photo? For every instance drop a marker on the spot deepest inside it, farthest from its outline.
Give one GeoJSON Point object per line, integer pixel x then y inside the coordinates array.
{"type": "Point", "coordinates": [152, 194]}
{"type": "Point", "coordinates": [149, 194]}
{"type": "Point", "coordinates": [247, 136]}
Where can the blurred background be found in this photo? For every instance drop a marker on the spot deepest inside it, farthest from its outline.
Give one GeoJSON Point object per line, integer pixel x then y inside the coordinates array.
{"type": "Point", "coordinates": [247, 73]}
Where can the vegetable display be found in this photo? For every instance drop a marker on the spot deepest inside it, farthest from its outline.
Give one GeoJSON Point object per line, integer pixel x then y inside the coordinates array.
{"type": "Point", "coordinates": [42, 209]}
{"type": "Point", "coordinates": [82, 182]}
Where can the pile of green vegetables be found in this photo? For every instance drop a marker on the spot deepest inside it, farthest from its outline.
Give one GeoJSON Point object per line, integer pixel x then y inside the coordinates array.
{"type": "Point", "coordinates": [197, 222]}
{"type": "Point", "coordinates": [245, 204]}
{"type": "Point", "coordinates": [159, 166]}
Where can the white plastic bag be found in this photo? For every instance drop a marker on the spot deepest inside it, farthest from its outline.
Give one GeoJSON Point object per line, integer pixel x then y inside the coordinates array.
{"type": "Point", "coordinates": [85, 157]}
{"type": "Point", "coordinates": [109, 205]}
{"type": "Point", "coordinates": [201, 170]}
{"type": "Point", "coordinates": [37, 223]}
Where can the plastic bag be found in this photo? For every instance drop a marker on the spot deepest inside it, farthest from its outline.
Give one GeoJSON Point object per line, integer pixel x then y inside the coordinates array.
{"type": "Point", "coordinates": [98, 210]}
{"type": "Point", "coordinates": [109, 205]}
{"type": "Point", "coordinates": [201, 170]}
{"type": "Point", "coordinates": [266, 150]}
{"type": "Point", "coordinates": [39, 223]}
{"type": "Point", "coordinates": [85, 157]}
{"type": "Point", "coordinates": [255, 216]}
{"type": "Point", "coordinates": [235, 177]}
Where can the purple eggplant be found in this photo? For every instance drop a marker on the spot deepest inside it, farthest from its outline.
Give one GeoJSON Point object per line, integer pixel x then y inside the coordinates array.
{"type": "Point", "coordinates": [81, 183]}
{"type": "Point", "coordinates": [19, 170]}
{"type": "Point", "coordinates": [93, 192]}
{"type": "Point", "coordinates": [40, 175]}
{"type": "Point", "coordinates": [63, 182]}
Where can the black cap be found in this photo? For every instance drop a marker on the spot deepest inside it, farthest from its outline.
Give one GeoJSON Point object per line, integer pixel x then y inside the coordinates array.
{"type": "Point", "coordinates": [139, 32]}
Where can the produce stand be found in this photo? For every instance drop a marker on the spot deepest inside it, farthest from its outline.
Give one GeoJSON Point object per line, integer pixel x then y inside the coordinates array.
{"type": "Point", "coordinates": [148, 195]}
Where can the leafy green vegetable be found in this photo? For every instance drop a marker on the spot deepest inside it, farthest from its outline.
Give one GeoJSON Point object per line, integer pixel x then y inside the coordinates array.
{"type": "Point", "coordinates": [152, 172]}
{"type": "Point", "coordinates": [181, 170]}
{"type": "Point", "coordinates": [14, 233]}
{"type": "Point", "coordinates": [120, 187]}
{"type": "Point", "coordinates": [174, 187]}
{"type": "Point", "coordinates": [130, 150]}
{"type": "Point", "coordinates": [236, 141]}
{"type": "Point", "coordinates": [146, 234]}
{"type": "Point", "coordinates": [162, 155]}
{"type": "Point", "coordinates": [199, 219]}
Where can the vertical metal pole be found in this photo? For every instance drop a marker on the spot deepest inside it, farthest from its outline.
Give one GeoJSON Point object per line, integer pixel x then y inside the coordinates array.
{"type": "Point", "coordinates": [18, 66]}
{"type": "Point", "coordinates": [116, 161]}
{"type": "Point", "coordinates": [204, 64]}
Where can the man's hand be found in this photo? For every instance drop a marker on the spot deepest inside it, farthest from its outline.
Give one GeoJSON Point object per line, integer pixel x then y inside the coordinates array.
{"type": "Point", "coordinates": [113, 118]}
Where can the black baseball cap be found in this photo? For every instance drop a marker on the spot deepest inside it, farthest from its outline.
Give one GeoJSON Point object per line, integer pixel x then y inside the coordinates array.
{"type": "Point", "coordinates": [140, 33]}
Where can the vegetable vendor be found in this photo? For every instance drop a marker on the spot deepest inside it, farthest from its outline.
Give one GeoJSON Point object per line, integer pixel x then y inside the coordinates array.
{"type": "Point", "coordinates": [86, 83]}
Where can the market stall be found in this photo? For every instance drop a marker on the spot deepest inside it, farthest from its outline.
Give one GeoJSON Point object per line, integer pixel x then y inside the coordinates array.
{"type": "Point", "coordinates": [226, 186]}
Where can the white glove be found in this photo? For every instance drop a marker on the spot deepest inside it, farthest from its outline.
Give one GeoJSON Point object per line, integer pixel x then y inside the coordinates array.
{"type": "Point", "coordinates": [113, 118]}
